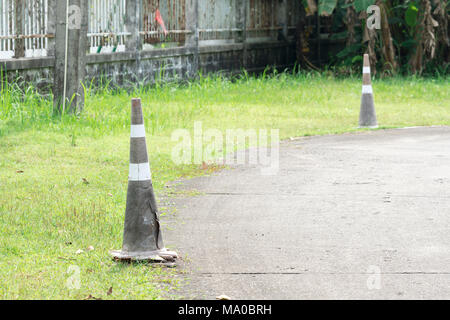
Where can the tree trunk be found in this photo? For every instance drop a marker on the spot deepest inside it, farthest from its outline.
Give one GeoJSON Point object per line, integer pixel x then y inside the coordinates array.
{"type": "Point", "coordinates": [369, 36]}
{"type": "Point", "coordinates": [425, 38]}
{"type": "Point", "coordinates": [388, 49]}
{"type": "Point", "coordinates": [443, 42]}
{"type": "Point", "coordinates": [350, 21]}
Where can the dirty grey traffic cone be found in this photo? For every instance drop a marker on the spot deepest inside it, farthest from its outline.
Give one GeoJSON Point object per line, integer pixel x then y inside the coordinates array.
{"type": "Point", "coordinates": [367, 115]}
{"type": "Point", "coordinates": [142, 238]}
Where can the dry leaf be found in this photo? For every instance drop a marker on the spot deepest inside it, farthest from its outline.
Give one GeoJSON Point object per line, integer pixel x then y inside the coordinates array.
{"type": "Point", "coordinates": [91, 297]}
{"type": "Point", "coordinates": [85, 181]}
{"type": "Point", "coordinates": [109, 292]}
{"type": "Point", "coordinates": [19, 171]}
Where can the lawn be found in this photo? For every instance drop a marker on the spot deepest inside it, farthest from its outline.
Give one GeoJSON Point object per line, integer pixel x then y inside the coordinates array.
{"type": "Point", "coordinates": [63, 179]}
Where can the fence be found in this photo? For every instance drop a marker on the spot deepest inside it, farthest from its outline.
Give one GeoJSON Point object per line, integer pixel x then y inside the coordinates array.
{"type": "Point", "coordinates": [173, 14]}
{"type": "Point", "coordinates": [24, 24]}
{"type": "Point", "coordinates": [130, 41]}
{"type": "Point", "coordinates": [106, 29]}
{"type": "Point", "coordinates": [23, 28]}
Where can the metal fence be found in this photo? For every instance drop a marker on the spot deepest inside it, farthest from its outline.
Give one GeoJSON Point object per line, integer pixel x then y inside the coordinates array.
{"type": "Point", "coordinates": [106, 28]}
{"type": "Point", "coordinates": [23, 28]}
{"type": "Point", "coordinates": [217, 19]}
{"type": "Point", "coordinates": [24, 24]}
{"type": "Point", "coordinates": [262, 19]}
{"type": "Point", "coordinates": [172, 15]}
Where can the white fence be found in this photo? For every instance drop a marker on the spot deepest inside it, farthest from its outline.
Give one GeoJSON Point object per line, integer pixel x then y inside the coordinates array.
{"type": "Point", "coordinates": [106, 30]}
{"type": "Point", "coordinates": [32, 18]}
{"type": "Point", "coordinates": [24, 24]}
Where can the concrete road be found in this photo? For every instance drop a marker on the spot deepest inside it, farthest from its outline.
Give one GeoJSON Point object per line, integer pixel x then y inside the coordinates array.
{"type": "Point", "coordinates": [363, 216]}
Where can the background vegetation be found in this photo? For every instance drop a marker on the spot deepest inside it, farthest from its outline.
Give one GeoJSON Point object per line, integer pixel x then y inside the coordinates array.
{"type": "Point", "coordinates": [413, 38]}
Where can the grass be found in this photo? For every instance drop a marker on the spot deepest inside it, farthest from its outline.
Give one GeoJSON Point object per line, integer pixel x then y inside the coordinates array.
{"type": "Point", "coordinates": [63, 179]}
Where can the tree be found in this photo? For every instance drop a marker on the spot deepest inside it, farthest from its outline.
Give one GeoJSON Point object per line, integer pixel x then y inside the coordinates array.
{"type": "Point", "coordinates": [413, 34]}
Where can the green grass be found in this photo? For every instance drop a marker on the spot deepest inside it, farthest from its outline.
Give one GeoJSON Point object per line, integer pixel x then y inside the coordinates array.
{"type": "Point", "coordinates": [48, 213]}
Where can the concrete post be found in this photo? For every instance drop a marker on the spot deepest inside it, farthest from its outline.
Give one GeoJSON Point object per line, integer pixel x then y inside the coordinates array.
{"type": "Point", "coordinates": [133, 25]}
{"type": "Point", "coordinates": [19, 44]}
{"type": "Point", "coordinates": [241, 23]}
{"type": "Point", "coordinates": [51, 27]}
{"type": "Point", "coordinates": [192, 38]}
{"type": "Point", "coordinates": [283, 19]}
{"type": "Point", "coordinates": [70, 69]}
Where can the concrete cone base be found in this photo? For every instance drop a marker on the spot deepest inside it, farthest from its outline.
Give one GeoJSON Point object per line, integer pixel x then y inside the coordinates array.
{"type": "Point", "coordinates": [163, 255]}
{"type": "Point", "coordinates": [368, 127]}
{"type": "Point", "coordinates": [367, 116]}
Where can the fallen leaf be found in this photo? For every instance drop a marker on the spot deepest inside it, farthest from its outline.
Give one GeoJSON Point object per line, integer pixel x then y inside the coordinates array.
{"type": "Point", "coordinates": [109, 292]}
{"type": "Point", "coordinates": [223, 297]}
{"type": "Point", "coordinates": [19, 171]}
{"type": "Point", "coordinates": [69, 259]}
{"type": "Point", "coordinates": [85, 181]}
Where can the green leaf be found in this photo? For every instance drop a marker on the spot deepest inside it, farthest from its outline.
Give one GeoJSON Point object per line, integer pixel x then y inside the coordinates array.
{"type": "Point", "coordinates": [326, 7]}
{"type": "Point", "coordinates": [411, 15]}
{"type": "Point", "coordinates": [357, 58]}
{"type": "Point", "coordinates": [348, 50]}
{"type": "Point", "coordinates": [408, 43]}
{"type": "Point", "coordinates": [394, 20]}
{"type": "Point", "coordinates": [362, 5]}
{"type": "Point", "coordinates": [339, 35]}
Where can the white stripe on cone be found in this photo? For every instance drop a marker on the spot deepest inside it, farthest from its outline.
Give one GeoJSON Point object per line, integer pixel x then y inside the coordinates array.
{"type": "Point", "coordinates": [139, 172]}
{"type": "Point", "coordinates": [137, 131]}
{"type": "Point", "coordinates": [366, 69]}
{"type": "Point", "coordinates": [367, 89]}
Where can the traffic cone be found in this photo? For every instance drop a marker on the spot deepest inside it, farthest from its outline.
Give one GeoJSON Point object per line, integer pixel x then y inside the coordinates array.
{"type": "Point", "coordinates": [367, 115]}
{"type": "Point", "coordinates": [142, 239]}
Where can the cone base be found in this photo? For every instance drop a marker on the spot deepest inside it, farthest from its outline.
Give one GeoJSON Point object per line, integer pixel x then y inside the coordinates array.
{"type": "Point", "coordinates": [368, 127]}
{"type": "Point", "coordinates": [152, 256]}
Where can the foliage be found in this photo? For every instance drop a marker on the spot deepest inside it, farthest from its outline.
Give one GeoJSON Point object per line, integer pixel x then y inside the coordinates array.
{"type": "Point", "coordinates": [326, 7]}
{"type": "Point", "coordinates": [413, 37]}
